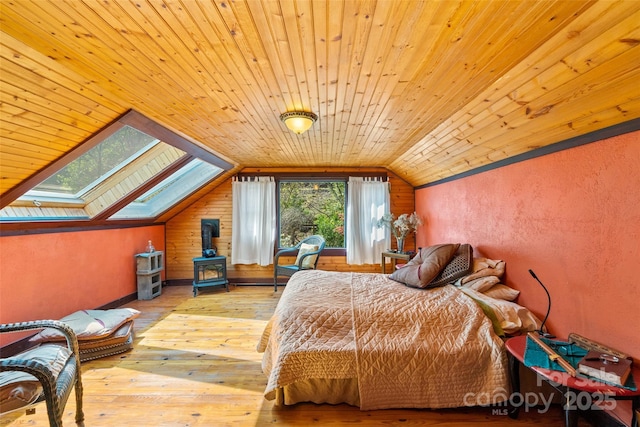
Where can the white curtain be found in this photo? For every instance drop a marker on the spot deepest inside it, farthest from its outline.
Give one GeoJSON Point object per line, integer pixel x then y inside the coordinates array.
{"type": "Point", "coordinates": [254, 221]}
{"type": "Point", "coordinates": [367, 200]}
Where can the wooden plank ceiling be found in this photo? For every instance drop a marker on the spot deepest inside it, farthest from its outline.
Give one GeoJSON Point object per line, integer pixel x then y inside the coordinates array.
{"type": "Point", "coordinates": [427, 89]}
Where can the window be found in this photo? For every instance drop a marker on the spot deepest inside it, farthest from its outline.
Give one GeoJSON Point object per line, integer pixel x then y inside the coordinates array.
{"type": "Point", "coordinates": [308, 207]}
{"type": "Point", "coordinates": [177, 186]}
{"type": "Point", "coordinates": [132, 169]}
{"type": "Point", "coordinates": [94, 166]}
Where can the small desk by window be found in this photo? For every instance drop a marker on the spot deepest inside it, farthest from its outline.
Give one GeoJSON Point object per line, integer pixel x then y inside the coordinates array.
{"type": "Point", "coordinates": [394, 257]}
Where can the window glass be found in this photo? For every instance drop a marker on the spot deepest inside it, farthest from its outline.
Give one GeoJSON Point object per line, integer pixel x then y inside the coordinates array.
{"type": "Point", "coordinates": [186, 180]}
{"type": "Point", "coordinates": [309, 207]}
{"type": "Point", "coordinates": [132, 169]}
{"type": "Point", "coordinates": [98, 163]}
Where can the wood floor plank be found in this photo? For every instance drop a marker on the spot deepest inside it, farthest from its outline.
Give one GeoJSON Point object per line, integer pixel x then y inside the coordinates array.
{"type": "Point", "coordinates": [195, 363]}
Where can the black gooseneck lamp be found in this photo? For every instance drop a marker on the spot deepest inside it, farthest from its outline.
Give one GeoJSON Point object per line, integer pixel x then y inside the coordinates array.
{"type": "Point", "coordinates": [541, 330]}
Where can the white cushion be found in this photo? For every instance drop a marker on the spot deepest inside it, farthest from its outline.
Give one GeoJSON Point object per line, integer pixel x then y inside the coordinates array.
{"type": "Point", "coordinates": [310, 261]}
{"type": "Point", "coordinates": [89, 324]}
{"type": "Point", "coordinates": [501, 291]}
{"type": "Point", "coordinates": [19, 389]}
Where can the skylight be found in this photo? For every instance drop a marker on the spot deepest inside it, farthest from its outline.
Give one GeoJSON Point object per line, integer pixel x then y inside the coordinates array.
{"type": "Point", "coordinates": [180, 184]}
{"type": "Point", "coordinates": [132, 169]}
{"type": "Point", "coordinates": [97, 164]}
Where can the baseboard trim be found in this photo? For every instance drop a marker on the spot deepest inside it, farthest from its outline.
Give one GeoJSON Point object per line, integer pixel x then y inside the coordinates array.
{"type": "Point", "coordinates": [119, 302]}
{"type": "Point", "coordinates": [238, 281]}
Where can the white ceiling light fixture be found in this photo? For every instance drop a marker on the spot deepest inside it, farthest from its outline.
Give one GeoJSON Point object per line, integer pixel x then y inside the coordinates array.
{"type": "Point", "coordinates": [298, 121]}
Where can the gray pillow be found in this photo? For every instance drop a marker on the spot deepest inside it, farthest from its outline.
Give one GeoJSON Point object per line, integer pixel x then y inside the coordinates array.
{"type": "Point", "coordinates": [460, 265]}
{"type": "Point", "coordinates": [425, 266]}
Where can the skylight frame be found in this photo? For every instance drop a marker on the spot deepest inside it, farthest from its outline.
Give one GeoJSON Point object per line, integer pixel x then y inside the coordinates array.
{"type": "Point", "coordinates": [105, 175]}
{"type": "Point", "coordinates": [19, 197]}
{"type": "Point", "coordinates": [190, 177]}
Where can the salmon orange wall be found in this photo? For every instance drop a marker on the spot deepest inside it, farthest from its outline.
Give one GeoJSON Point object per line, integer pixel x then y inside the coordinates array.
{"type": "Point", "coordinates": [573, 217]}
{"type": "Point", "coordinates": [47, 276]}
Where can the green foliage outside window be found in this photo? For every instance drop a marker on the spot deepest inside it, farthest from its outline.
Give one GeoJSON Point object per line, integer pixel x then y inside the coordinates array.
{"type": "Point", "coordinates": [97, 162]}
{"type": "Point", "coordinates": [312, 207]}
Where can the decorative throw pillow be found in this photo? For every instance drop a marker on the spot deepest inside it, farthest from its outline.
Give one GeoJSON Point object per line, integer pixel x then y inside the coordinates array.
{"type": "Point", "coordinates": [425, 266]}
{"type": "Point", "coordinates": [409, 275]}
{"type": "Point", "coordinates": [310, 261]}
{"type": "Point", "coordinates": [459, 266]}
{"type": "Point", "coordinates": [416, 260]}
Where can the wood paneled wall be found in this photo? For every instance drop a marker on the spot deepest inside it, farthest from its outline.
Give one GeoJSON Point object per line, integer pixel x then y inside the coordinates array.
{"type": "Point", "coordinates": [183, 241]}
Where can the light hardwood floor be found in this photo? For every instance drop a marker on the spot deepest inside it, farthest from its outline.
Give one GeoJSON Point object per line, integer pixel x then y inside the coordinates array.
{"type": "Point", "coordinates": [195, 364]}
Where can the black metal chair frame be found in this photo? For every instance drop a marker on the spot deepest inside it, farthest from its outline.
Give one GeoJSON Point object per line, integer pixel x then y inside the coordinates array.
{"type": "Point", "coordinates": [55, 389]}
{"type": "Point", "coordinates": [289, 270]}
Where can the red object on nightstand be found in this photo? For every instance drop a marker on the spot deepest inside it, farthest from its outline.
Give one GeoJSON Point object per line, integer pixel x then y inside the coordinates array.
{"type": "Point", "coordinates": [570, 387]}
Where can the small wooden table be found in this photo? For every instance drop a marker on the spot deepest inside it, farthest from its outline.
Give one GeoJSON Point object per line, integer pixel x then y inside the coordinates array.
{"type": "Point", "coordinates": [577, 392]}
{"type": "Point", "coordinates": [394, 257]}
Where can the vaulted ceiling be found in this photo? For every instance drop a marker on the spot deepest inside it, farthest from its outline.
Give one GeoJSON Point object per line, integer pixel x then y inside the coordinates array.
{"type": "Point", "coordinates": [427, 89]}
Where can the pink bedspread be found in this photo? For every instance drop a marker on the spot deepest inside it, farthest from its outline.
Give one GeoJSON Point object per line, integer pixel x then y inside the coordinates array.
{"type": "Point", "coordinates": [408, 348]}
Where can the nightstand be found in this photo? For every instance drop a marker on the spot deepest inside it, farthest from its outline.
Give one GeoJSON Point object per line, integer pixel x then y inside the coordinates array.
{"type": "Point", "coordinates": [578, 393]}
{"type": "Point", "coordinates": [394, 257]}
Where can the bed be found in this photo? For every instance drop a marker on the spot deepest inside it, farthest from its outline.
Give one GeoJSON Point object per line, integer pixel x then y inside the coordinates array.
{"type": "Point", "coordinates": [373, 342]}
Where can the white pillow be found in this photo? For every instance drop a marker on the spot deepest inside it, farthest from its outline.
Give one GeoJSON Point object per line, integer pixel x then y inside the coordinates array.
{"type": "Point", "coordinates": [482, 284]}
{"type": "Point", "coordinates": [513, 318]}
{"type": "Point", "coordinates": [485, 267]}
{"type": "Point", "coordinates": [501, 291]}
{"type": "Point", "coordinates": [309, 261]}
